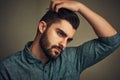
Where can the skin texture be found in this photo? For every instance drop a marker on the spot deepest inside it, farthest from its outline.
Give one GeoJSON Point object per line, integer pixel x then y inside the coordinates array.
{"type": "Point", "coordinates": [56, 37]}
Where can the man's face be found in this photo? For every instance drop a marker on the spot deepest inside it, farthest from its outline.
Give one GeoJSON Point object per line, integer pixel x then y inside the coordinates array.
{"type": "Point", "coordinates": [55, 38]}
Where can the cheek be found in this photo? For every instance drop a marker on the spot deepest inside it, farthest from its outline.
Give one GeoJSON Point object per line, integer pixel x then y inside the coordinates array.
{"type": "Point", "coordinates": [53, 38]}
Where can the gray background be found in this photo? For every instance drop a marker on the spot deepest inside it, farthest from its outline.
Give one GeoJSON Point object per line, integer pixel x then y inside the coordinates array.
{"type": "Point", "coordinates": [19, 20]}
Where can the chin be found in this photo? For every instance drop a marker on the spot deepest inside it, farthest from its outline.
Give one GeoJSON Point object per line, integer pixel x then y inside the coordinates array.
{"type": "Point", "coordinates": [54, 56]}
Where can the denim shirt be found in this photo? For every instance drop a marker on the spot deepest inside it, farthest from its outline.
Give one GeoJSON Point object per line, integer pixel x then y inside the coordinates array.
{"type": "Point", "coordinates": [23, 65]}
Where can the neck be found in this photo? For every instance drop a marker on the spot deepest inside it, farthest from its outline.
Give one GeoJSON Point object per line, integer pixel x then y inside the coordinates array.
{"type": "Point", "coordinates": [38, 52]}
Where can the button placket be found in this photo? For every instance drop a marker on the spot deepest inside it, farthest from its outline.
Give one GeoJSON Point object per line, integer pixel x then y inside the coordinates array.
{"type": "Point", "coordinates": [45, 73]}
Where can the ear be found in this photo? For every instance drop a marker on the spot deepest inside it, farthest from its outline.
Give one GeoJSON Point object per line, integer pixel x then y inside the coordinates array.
{"type": "Point", "coordinates": [42, 26]}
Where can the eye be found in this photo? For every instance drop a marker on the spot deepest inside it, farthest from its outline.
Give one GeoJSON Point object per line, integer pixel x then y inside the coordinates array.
{"type": "Point", "coordinates": [69, 40]}
{"type": "Point", "coordinates": [61, 33]}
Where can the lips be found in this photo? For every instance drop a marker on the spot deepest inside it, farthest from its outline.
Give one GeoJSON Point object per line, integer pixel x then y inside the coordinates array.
{"type": "Point", "coordinates": [58, 51]}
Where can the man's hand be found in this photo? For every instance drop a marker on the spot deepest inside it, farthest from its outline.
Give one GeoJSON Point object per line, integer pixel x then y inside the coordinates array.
{"type": "Point", "coordinates": [68, 4]}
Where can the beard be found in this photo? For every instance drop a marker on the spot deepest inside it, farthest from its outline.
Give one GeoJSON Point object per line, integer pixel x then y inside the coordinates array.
{"type": "Point", "coordinates": [44, 43]}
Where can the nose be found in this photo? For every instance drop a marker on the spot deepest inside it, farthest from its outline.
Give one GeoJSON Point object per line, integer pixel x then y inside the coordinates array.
{"type": "Point", "coordinates": [63, 43]}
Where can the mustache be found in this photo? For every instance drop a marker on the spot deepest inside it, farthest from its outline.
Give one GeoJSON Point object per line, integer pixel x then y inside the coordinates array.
{"type": "Point", "coordinates": [58, 47]}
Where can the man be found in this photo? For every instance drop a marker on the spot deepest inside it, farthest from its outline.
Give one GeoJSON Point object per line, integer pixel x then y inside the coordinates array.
{"type": "Point", "coordinates": [48, 58]}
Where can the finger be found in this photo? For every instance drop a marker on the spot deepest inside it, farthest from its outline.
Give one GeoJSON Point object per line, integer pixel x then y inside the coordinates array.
{"type": "Point", "coordinates": [57, 7]}
{"type": "Point", "coordinates": [55, 3]}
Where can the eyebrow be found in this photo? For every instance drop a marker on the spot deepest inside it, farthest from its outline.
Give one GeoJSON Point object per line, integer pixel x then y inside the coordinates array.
{"type": "Point", "coordinates": [69, 39]}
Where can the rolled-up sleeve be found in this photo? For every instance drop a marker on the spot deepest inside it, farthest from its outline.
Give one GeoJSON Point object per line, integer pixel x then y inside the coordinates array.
{"type": "Point", "coordinates": [95, 50]}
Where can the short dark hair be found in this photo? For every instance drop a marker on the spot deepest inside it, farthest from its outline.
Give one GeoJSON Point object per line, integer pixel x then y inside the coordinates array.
{"type": "Point", "coordinates": [65, 14]}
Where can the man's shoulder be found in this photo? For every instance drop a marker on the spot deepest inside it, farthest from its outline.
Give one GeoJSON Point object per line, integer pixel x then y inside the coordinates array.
{"type": "Point", "coordinates": [11, 58]}
{"type": "Point", "coordinates": [70, 51]}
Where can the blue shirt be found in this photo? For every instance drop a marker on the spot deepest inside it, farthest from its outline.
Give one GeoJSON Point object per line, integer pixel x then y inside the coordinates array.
{"type": "Point", "coordinates": [23, 65]}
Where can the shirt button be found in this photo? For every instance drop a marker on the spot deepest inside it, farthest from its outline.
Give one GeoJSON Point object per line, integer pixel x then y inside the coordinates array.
{"type": "Point", "coordinates": [45, 71]}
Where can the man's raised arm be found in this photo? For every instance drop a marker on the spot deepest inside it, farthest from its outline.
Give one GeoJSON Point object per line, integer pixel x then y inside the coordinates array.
{"type": "Point", "coordinates": [101, 27]}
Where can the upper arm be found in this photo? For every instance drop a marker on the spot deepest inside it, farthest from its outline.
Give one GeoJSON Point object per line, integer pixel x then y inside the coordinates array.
{"type": "Point", "coordinates": [95, 50]}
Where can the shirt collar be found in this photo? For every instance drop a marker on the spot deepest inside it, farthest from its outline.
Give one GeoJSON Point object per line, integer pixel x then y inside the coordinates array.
{"type": "Point", "coordinates": [29, 55]}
